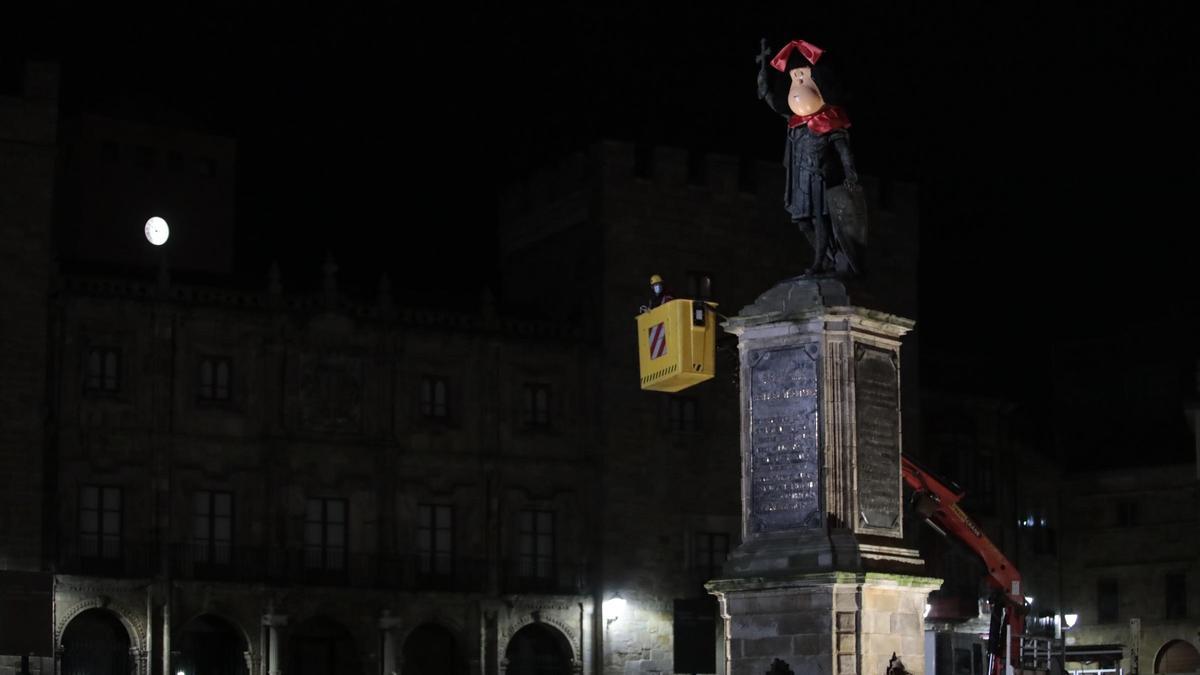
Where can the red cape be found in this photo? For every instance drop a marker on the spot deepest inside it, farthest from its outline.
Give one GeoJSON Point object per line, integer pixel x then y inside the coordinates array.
{"type": "Point", "coordinates": [823, 121]}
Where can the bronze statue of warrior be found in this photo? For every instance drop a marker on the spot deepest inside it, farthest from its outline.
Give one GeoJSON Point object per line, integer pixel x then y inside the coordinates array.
{"type": "Point", "coordinates": [822, 193]}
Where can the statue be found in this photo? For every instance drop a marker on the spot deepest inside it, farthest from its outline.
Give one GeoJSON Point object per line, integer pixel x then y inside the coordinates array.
{"type": "Point", "coordinates": [822, 196]}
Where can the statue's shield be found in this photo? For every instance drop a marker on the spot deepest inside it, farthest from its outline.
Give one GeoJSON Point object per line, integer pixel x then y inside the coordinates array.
{"type": "Point", "coordinates": [848, 211]}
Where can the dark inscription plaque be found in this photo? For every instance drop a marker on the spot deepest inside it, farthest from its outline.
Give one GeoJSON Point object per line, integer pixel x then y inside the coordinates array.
{"type": "Point", "coordinates": [877, 415]}
{"type": "Point", "coordinates": [785, 484]}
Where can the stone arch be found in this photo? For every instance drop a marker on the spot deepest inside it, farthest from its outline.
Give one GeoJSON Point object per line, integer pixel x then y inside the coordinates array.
{"type": "Point", "coordinates": [551, 637]}
{"type": "Point", "coordinates": [211, 643]}
{"type": "Point", "coordinates": [227, 618]}
{"type": "Point", "coordinates": [456, 628]}
{"type": "Point", "coordinates": [432, 648]}
{"type": "Point", "coordinates": [567, 633]}
{"type": "Point", "coordinates": [96, 640]}
{"type": "Point", "coordinates": [1177, 656]}
{"type": "Point", "coordinates": [137, 640]}
{"type": "Point", "coordinates": [322, 645]}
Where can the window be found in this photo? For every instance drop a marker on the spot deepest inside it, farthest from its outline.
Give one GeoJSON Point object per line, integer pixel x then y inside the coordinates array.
{"type": "Point", "coordinates": [212, 527]}
{"type": "Point", "coordinates": [174, 161]}
{"type": "Point", "coordinates": [537, 405]}
{"type": "Point", "coordinates": [962, 661]}
{"type": "Point", "coordinates": [1106, 600]}
{"type": "Point", "coordinates": [325, 534]}
{"type": "Point", "coordinates": [1128, 513]}
{"type": "Point", "coordinates": [681, 414]}
{"type": "Point", "coordinates": [1176, 588]}
{"type": "Point", "coordinates": [103, 370]}
{"type": "Point", "coordinates": [711, 549]}
{"type": "Point", "coordinates": [435, 539]}
{"type": "Point", "coordinates": [699, 284]}
{"type": "Point", "coordinates": [100, 522]}
{"type": "Point", "coordinates": [433, 398]}
{"type": "Point", "coordinates": [536, 532]}
{"type": "Point", "coordinates": [215, 377]}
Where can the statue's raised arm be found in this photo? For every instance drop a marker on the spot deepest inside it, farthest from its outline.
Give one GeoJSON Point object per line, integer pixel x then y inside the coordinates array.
{"type": "Point", "coordinates": [773, 90]}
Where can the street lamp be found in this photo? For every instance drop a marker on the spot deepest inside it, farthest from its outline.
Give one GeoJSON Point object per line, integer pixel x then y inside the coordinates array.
{"type": "Point", "coordinates": [614, 607]}
{"type": "Point", "coordinates": [1070, 620]}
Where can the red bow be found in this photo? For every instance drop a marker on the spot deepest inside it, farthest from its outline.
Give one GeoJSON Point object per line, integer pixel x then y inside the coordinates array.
{"type": "Point", "coordinates": [807, 49]}
{"type": "Point", "coordinates": [823, 121]}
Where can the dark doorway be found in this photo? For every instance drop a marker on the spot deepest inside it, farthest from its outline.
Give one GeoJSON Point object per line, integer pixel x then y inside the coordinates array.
{"type": "Point", "coordinates": [209, 645]}
{"type": "Point", "coordinates": [322, 646]}
{"type": "Point", "coordinates": [95, 643]}
{"type": "Point", "coordinates": [538, 650]}
{"type": "Point", "coordinates": [432, 650]}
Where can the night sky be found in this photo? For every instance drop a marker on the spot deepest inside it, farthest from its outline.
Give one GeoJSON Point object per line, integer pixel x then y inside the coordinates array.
{"type": "Point", "coordinates": [1054, 148]}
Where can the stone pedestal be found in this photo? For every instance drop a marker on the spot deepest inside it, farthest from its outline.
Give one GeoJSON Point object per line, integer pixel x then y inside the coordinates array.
{"type": "Point", "coordinates": [837, 623]}
{"type": "Point", "coordinates": [822, 579]}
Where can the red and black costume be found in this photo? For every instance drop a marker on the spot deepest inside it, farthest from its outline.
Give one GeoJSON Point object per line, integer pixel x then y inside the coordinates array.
{"type": "Point", "coordinates": [811, 167]}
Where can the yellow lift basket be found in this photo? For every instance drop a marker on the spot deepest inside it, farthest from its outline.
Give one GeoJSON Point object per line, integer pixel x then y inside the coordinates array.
{"type": "Point", "coordinates": [677, 344]}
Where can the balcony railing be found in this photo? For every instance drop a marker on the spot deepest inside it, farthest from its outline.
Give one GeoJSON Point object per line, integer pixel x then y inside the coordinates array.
{"type": "Point", "coordinates": [128, 561]}
{"type": "Point", "coordinates": [291, 567]}
{"type": "Point", "coordinates": [297, 567]}
{"type": "Point", "coordinates": [527, 576]}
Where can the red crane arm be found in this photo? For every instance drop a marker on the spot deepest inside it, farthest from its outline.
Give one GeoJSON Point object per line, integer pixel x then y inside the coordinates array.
{"type": "Point", "coordinates": [939, 504]}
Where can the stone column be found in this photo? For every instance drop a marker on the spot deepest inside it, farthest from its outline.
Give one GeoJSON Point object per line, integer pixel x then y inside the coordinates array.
{"type": "Point", "coordinates": [166, 632]}
{"type": "Point", "coordinates": [263, 645]}
{"type": "Point", "coordinates": [252, 661]}
{"type": "Point", "coordinates": [148, 665]}
{"type": "Point", "coordinates": [273, 622]}
{"type": "Point", "coordinates": [387, 629]}
{"type": "Point", "coordinates": [822, 579]}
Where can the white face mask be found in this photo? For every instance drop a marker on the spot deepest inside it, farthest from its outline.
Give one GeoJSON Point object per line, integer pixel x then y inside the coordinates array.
{"type": "Point", "coordinates": [657, 288]}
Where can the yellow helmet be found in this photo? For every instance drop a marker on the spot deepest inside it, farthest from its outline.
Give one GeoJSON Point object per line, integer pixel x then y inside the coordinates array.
{"type": "Point", "coordinates": [655, 279]}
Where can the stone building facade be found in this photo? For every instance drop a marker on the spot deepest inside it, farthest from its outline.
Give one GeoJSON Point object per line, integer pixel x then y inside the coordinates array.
{"type": "Point", "coordinates": [346, 473]}
{"type": "Point", "coordinates": [1131, 566]}
{"type": "Point", "coordinates": [1116, 549]}
{"type": "Point", "coordinates": [265, 481]}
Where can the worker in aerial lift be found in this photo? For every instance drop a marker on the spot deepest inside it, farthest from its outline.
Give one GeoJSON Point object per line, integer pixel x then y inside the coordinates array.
{"type": "Point", "coordinates": [658, 294]}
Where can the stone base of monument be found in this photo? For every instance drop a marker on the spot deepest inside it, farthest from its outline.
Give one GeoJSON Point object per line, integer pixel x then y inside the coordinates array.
{"type": "Point", "coordinates": [787, 553]}
{"type": "Point", "coordinates": [822, 579]}
{"type": "Point", "coordinates": [836, 623]}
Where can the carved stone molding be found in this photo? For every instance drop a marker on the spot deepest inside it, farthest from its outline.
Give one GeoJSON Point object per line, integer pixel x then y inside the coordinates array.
{"type": "Point", "coordinates": [519, 621]}
{"type": "Point", "coordinates": [128, 618]}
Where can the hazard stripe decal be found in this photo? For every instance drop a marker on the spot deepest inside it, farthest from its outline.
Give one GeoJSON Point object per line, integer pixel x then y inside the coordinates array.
{"type": "Point", "coordinates": [658, 341]}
